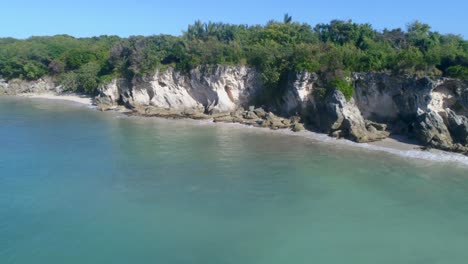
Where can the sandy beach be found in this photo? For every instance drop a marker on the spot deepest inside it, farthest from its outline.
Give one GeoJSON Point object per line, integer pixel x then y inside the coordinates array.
{"type": "Point", "coordinates": [400, 143]}
{"type": "Point", "coordinates": [81, 99]}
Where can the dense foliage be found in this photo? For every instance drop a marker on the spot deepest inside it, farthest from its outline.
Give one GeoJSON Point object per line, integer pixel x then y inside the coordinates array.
{"type": "Point", "coordinates": [275, 49]}
{"type": "Point", "coordinates": [344, 86]}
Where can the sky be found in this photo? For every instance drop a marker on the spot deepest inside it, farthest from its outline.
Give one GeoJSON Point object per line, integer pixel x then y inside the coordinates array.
{"type": "Point", "coordinates": [85, 18]}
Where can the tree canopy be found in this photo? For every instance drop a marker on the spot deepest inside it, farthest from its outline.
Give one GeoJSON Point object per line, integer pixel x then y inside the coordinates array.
{"type": "Point", "coordinates": [275, 49]}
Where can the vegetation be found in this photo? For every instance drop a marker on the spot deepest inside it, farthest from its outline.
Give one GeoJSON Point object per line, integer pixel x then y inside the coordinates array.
{"type": "Point", "coordinates": [343, 86]}
{"type": "Point", "coordinates": [275, 49]}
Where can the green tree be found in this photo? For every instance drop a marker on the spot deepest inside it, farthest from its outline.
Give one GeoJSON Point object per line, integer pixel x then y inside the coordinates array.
{"type": "Point", "coordinates": [287, 18]}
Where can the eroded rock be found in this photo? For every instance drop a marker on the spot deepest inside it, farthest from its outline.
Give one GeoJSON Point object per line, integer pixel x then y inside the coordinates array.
{"type": "Point", "coordinates": [216, 89]}
{"type": "Point", "coordinates": [334, 113]}
{"type": "Point", "coordinates": [17, 86]}
{"type": "Point", "coordinates": [458, 127]}
{"type": "Point", "coordinates": [430, 129]}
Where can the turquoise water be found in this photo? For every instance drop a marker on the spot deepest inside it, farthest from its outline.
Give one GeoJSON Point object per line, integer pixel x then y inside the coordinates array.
{"type": "Point", "coordinates": [81, 186]}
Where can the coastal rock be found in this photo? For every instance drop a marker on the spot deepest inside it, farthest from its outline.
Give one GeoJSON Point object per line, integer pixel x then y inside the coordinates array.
{"type": "Point", "coordinates": [264, 119]}
{"type": "Point", "coordinates": [454, 95]}
{"type": "Point", "coordinates": [250, 115]}
{"type": "Point", "coordinates": [274, 122]}
{"type": "Point", "coordinates": [375, 125]}
{"type": "Point", "coordinates": [17, 86]}
{"type": "Point", "coordinates": [415, 104]}
{"type": "Point", "coordinates": [224, 88]}
{"type": "Point", "coordinates": [297, 127]}
{"type": "Point", "coordinates": [104, 103]}
{"type": "Point", "coordinates": [155, 111]}
{"type": "Point", "coordinates": [458, 126]}
{"type": "Point", "coordinates": [210, 90]}
{"type": "Point", "coordinates": [260, 112]}
{"type": "Point", "coordinates": [164, 89]}
{"type": "Point", "coordinates": [430, 129]}
{"type": "Point", "coordinates": [297, 92]}
{"type": "Point", "coordinates": [334, 113]}
{"type": "Point", "coordinates": [403, 104]}
{"type": "Point", "coordinates": [3, 87]}
{"type": "Point", "coordinates": [385, 97]}
{"type": "Point", "coordinates": [110, 93]}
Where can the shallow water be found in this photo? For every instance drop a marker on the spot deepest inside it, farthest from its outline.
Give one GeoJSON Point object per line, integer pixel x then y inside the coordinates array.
{"type": "Point", "coordinates": [81, 186]}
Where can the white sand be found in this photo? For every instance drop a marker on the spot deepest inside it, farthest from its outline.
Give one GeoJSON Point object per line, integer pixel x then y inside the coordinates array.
{"type": "Point", "coordinates": [81, 99]}
{"type": "Point", "coordinates": [399, 143]}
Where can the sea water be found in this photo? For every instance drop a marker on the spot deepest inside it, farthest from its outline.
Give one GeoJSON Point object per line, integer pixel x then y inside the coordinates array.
{"type": "Point", "coordinates": [82, 186]}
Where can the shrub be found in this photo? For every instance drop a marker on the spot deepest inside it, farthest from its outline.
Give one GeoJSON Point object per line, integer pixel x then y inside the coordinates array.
{"type": "Point", "coordinates": [33, 71]}
{"type": "Point", "coordinates": [69, 81]}
{"type": "Point", "coordinates": [343, 86]}
{"type": "Point", "coordinates": [275, 49]}
{"type": "Point", "coordinates": [84, 80]}
{"type": "Point", "coordinates": [458, 71]}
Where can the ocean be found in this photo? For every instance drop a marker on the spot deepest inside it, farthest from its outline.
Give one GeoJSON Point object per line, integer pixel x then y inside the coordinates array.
{"type": "Point", "coordinates": [82, 186]}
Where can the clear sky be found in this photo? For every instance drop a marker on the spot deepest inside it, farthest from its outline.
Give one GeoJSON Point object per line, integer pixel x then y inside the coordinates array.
{"type": "Point", "coordinates": [82, 18]}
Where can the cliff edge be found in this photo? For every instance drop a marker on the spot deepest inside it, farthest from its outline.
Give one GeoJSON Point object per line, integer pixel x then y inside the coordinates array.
{"type": "Point", "coordinates": [433, 111]}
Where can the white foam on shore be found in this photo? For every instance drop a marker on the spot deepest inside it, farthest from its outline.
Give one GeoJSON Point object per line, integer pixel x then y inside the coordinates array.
{"type": "Point", "coordinates": [389, 145]}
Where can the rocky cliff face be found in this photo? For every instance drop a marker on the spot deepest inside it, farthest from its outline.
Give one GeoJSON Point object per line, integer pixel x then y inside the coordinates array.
{"type": "Point", "coordinates": [298, 92]}
{"type": "Point", "coordinates": [20, 86]}
{"type": "Point", "coordinates": [328, 111]}
{"type": "Point", "coordinates": [433, 111]}
{"type": "Point", "coordinates": [386, 97]}
{"type": "Point", "coordinates": [219, 89]}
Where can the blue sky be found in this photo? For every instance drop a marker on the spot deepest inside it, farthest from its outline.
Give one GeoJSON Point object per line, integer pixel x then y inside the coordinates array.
{"type": "Point", "coordinates": [82, 18]}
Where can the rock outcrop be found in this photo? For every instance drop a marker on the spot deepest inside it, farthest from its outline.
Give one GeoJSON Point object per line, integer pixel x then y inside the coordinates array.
{"type": "Point", "coordinates": [433, 111]}
{"type": "Point", "coordinates": [430, 129]}
{"type": "Point", "coordinates": [258, 117]}
{"type": "Point", "coordinates": [388, 97]}
{"type": "Point", "coordinates": [225, 90]}
{"type": "Point", "coordinates": [458, 126]}
{"type": "Point", "coordinates": [327, 110]}
{"type": "Point", "coordinates": [298, 92]}
{"type": "Point", "coordinates": [338, 117]}
{"type": "Point", "coordinates": [17, 86]}
{"type": "Point", "coordinates": [208, 90]}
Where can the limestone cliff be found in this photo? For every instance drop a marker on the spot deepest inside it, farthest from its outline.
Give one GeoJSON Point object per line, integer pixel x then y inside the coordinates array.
{"type": "Point", "coordinates": [210, 90]}
{"type": "Point", "coordinates": [433, 111]}
{"type": "Point", "coordinates": [422, 106]}
{"type": "Point", "coordinates": [327, 110]}
{"type": "Point", "coordinates": [406, 104]}
{"type": "Point", "coordinates": [17, 86]}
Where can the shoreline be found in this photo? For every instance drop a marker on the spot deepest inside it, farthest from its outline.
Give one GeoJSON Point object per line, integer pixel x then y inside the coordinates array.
{"type": "Point", "coordinates": [76, 98]}
{"type": "Point", "coordinates": [399, 146]}
{"type": "Point", "coordinates": [396, 145]}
